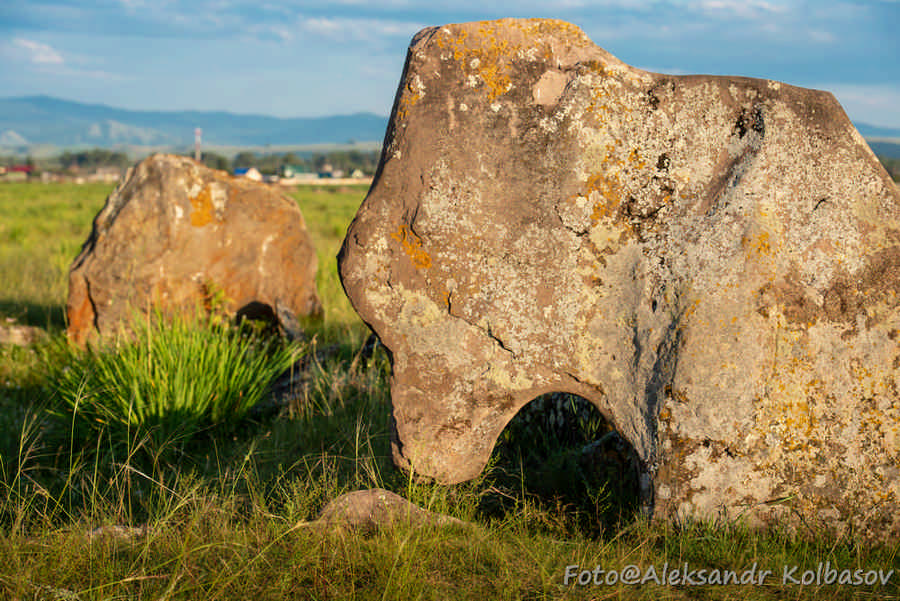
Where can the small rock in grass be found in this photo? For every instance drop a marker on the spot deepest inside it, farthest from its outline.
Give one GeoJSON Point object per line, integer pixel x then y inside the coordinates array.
{"type": "Point", "coordinates": [21, 335]}
{"type": "Point", "coordinates": [376, 508]}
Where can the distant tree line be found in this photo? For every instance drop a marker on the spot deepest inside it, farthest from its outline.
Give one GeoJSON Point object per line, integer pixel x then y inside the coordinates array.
{"type": "Point", "coordinates": [267, 163]}
{"type": "Point", "coordinates": [892, 165]}
{"type": "Point", "coordinates": [10, 159]}
{"type": "Point", "coordinates": [94, 158]}
{"type": "Point", "coordinates": [272, 163]}
{"type": "Point", "coordinates": [82, 160]}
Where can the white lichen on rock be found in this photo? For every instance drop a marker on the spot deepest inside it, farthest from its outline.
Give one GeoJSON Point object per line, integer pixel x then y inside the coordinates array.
{"type": "Point", "coordinates": [714, 262]}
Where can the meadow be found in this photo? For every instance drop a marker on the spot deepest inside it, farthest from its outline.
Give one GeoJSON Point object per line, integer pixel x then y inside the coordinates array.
{"type": "Point", "coordinates": [101, 513]}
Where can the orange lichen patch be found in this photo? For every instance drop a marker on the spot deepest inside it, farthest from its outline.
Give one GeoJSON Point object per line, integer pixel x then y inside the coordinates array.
{"type": "Point", "coordinates": [611, 159]}
{"type": "Point", "coordinates": [758, 244]}
{"type": "Point", "coordinates": [489, 54]}
{"type": "Point", "coordinates": [798, 406]}
{"type": "Point", "coordinates": [798, 419]}
{"type": "Point", "coordinates": [202, 206]}
{"type": "Point", "coordinates": [490, 62]}
{"type": "Point", "coordinates": [412, 245]}
{"type": "Point", "coordinates": [610, 200]}
{"type": "Point", "coordinates": [595, 66]}
{"type": "Point", "coordinates": [870, 383]}
{"type": "Point", "coordinates": [595, 109]}
{"type": "Point", "coordinates": [411, 95]}
{"type": "Point", "coordinates": [562, 29]}
{"type": "Point", "coordinates": [792, 394]}
{"type": "Point", "coordinates": [601, 103]}
{"type": "Point", "coordinates": [634, 158]}
{"type": "Point", "coordinates": [610, 190]}
{"type": "Point", "coordinates": [690, 309]}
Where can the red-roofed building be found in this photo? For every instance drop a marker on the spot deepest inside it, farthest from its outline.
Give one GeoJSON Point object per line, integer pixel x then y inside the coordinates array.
{"type": "Point", "coordinates": [16, 173]}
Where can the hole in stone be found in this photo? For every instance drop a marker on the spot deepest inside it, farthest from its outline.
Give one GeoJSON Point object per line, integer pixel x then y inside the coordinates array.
{"type": "Point", "coordinates": [560, 456]}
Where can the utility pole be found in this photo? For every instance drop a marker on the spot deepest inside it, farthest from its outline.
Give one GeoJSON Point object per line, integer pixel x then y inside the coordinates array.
{"type": "Point", "coordinates": [197, 133]}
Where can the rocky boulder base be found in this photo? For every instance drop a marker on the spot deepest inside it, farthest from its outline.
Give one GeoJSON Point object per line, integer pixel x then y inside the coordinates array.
{"type": "Point", "coordinates": [714, 262]}
{"type": "Point", "coordinates": [375, 508]}
{"type": "Point", "coordinates": [177, 235]}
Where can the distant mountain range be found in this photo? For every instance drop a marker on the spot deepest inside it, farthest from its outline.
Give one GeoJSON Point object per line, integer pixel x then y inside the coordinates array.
{"type": "Point", "coordinates": [33, 121]}
{"type": "Point", "coordinates": [873, 131]}
{"type": "Point", "coordinates": [42, 120]}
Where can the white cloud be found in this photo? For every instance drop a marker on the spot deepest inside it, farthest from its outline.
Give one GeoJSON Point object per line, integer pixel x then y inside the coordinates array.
{"type": "Point", "coordinates": [876, 104]}
{"type": "Point", "coordinates": [740, 5]}
{"type": "Point", "coordinates": [324, 26]}
{"type": "Point", "coordinates": [332, 29]}
{"type": "Point", "coordinates": [97, 74]}
{"type": "Point", "coordinates": [156, 6]}
{"type": "Point", "coordinates": [282, 33]}
{"type": "Point", "coordinates": [347, 29]}
{"type": "Point", "coordinates": [738, 8]}
{"type": "Point", "coordinates": [48, 61]}
{"type": "Point", "coordinates": [821, 37]}
{"type": "Point", "coordinates": [367, 3]}
{"type": "Point", "coordinates": [665, 70]}
{"type": "Point", "coordinates": [38, 53]}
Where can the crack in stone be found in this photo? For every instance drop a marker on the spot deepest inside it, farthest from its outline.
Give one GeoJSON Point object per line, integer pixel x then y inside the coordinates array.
{"type": "Point", "coordinates": [497, 339]}
{"type": "Point", "coordinates": [488, 331]}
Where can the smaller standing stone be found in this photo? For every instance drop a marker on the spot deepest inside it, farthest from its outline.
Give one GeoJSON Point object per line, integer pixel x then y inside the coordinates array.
{"type": "Point", "coordinates": [176, 235]}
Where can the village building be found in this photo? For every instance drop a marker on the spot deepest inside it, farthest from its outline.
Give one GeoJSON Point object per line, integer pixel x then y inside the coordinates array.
{"type": "Point", "coordinates": [249, 172]}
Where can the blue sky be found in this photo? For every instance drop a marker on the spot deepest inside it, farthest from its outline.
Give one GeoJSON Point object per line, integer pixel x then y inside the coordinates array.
{"type": "Point", "coordinates": [308, 58]}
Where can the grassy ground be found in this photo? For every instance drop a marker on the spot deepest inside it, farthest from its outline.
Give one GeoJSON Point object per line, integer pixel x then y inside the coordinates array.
{"type": "Point", "coordinates": [42, 228]}
{"type": "Point", "coordinates": [328, 211]}
{"type": "Point", "coordinates": [225, 517]}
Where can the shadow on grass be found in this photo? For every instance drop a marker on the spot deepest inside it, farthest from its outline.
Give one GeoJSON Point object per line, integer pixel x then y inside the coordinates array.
{"type": "Point", "coordinates": [334, 431]}
{"type": "Point", "coordinates": [49, 317]}
{"type": "Point", "coordinates": [562, 456]}
{"type": "Point", "coordinates": [557, 463]}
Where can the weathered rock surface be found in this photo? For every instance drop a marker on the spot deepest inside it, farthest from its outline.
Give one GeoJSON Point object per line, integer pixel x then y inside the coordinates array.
{"type": "Point", "coordinates": [118, 532]}
{"type": "Point", "coordinates": [176, 234]}
{"type": "Point", "coordinates": [376, 508]}
{"type": "Point", "coordinates": [714, 262]}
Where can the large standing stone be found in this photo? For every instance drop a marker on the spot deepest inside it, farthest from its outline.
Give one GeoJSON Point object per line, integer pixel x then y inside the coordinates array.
{"type": "Point", "coordinates": [175, 234]}
{"type": "Point", "coordinates": [714, 262]}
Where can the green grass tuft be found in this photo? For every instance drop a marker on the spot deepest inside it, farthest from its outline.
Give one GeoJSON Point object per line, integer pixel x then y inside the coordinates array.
{"type": "Point", "coordinates": [172, 380]}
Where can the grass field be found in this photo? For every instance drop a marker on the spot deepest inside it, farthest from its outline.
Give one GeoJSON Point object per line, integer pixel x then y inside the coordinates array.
{"type": "Point", "coordinates": [224, 517]}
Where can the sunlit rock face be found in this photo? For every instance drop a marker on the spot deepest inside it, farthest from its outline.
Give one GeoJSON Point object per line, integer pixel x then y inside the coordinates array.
{"type": "Point", "coordinates": [175, 236]}
{"type": "Point", "coordinates": [714, 262]}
